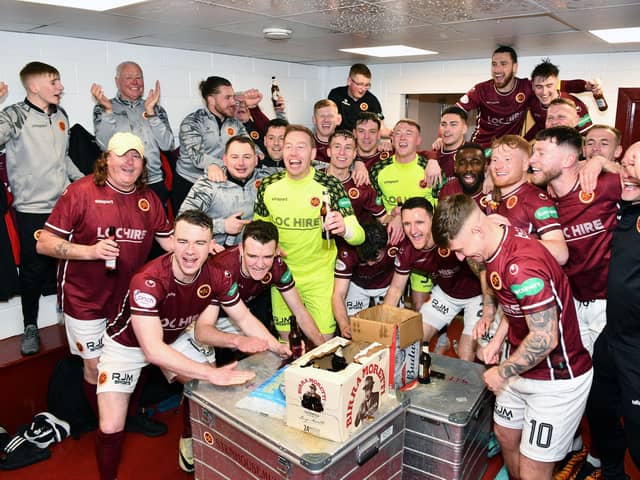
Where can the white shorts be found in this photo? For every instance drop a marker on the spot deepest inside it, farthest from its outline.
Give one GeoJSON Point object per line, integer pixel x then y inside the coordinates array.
{"type": "Point", "coordinates": [441, 309]}
{"type": "Point", "coordinates": [592, 317]}
{"type": "Point", "coordinates": [358, 298]}
{"type": "Point", "coordinates": [85, 336]}
{"type": "Point", "coordinates": [119, 366]}
{"type": "Point", "coordinates": [547, 411]}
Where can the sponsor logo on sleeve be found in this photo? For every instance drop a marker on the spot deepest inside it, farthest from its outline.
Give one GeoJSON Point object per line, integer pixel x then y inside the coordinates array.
{"type": "Point", "coordinates": [340, 265]}
{"type": "Point", "coordinates": [528, 288]}
{"type": "Point", "coordinates": [232, 291]}
{"type": "Point", "coordinates": [542, 196]}
{"type": "Point", "coordinates": [464, 99]}
{"type": "Point", "coordinates": [344, 202]}
{"type": "Point", "coordinates": [496, 281]}
{"type": "Point", "coordinates": [203, 291]}
{"type": "Point", "coordinates": [512, 202]}
{"type": "Point", "coordinates": [143, 204]}
{"type": "Point", "coordinates": [364, 106]}
{"type": "Point", "coordinates": [150, 283]}
{"type": "Point", "coordinates": [545, 213]}
{"type": "Point", "coordinates": [145, 300]}
{"type": "Point", "coordinates": [354, 193]}
{"type": "Point", "coordinates": [286, 276]}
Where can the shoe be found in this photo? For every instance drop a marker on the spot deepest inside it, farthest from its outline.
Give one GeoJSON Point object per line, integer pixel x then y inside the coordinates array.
{"type": "Point", "coordinates": [570, 465]}
{"type": "Point", "coordinates": [30, 344]}
{"type": "Point", "coordinates": [145, 425]}
{"type": "Point", "coordinates": [185, 455]}
{"type": "Point", "coordinates": [502, 474]}
{"type": "Point", "coordinates": [46, 429]}
{"type": "Point", "coordinates": [493, 447]}
{"type": "Point", "coordinates": [588, 472]}
{"type": "Point", "coordinates": [443, 344]}
{"type": "Point", "coordinates": [4, 438]}
{"type": "Point", "coordinates": [20, 453]}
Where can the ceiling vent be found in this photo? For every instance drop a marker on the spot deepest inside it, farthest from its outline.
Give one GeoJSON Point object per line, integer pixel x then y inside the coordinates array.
{"type": "Point", "coordinates": [274, 33]}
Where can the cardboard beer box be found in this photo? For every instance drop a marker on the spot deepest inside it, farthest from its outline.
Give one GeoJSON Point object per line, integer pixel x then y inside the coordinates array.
{"type": "Point", "coordinates": [333, 404]}
{"type": "Point", "coordinates": [399, 329]}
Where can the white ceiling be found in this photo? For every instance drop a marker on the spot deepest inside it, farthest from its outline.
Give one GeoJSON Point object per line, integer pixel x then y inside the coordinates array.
{"type": "Point", "coordinates": [458, 29]}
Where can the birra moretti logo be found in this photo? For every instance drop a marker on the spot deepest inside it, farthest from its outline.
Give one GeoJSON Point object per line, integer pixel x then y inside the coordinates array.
{"type": "Point", "coordinates": [528, 288]}
{"type": "Point", "coordinates": [374, 370]}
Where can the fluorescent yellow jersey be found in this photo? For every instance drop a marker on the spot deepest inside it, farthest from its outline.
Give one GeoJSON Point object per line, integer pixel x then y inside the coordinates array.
{"type": "Point", "coordinates": [405, 180]}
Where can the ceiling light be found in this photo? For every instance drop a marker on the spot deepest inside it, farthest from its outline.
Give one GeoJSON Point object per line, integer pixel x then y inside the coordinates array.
{"type": "Point", "coordinates": [389, 51]}
{"type": "Point", "coordinates": [274, 33]}
{"type": "Point", "coordinates": [618, 35]}
{"type": "Point", "coordinates": [95, 5]}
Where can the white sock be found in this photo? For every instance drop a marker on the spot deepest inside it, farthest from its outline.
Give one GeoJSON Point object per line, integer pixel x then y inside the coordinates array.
{"type": "Point", "coordinates": [594, 461]}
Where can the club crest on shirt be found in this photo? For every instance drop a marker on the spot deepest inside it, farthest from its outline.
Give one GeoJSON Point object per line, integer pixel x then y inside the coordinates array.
{"type": "Point", "coordinates": [542, 196]}
{"type": "Point", "coordinates": [102, 379]}
{"type": "Point", "coordinates": [37, 233]}
{"type": "Point", "coordinates": [208, 438]}
{"type": "Point", "coordinates": [258, 183]}
{"type": "Point", "coordinates": [255, 135]}
{"type": "Point", "coordinates": [203, 291]}
{"type": "Point", "coordinates": [143, 204]}
{"type": "Point", "coordinates": [444, 252]}
{"type": "Point", "coordinates": [384, 155]}
{"type": "Point", "coordinates": [512, 201]}
{"type": "Point", "coordinates": [586, 197]}
{"type": "Point", "coordinates": [315, 201]}
{"type": "Point", "coordinates": [353, 193]}
{"type": "Point", "coordinates": [364, 106]}
{"type": "Point", "coordinates": [62, 126]}
{"type": "Point", "coordinates": [520, 97]}
{"type": "Point", "coordinates": [483, 201]}
{"type": "Point", "coordinates": [638, 224]}
{"type": "Point", "coordinates": [513, 269]}
{"type": "Point", "coordinates": [266, 280]}
{"type": "Point", "coordinates": [79, 347]}
{"type": "Point", "coordinates": [496, 281]}
{"type": "Point", "coordinates": [422, 183]}
{"type": "Point", "coordinates": [231, 132]}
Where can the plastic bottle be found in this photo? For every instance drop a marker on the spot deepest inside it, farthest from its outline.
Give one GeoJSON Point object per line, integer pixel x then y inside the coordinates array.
{"type": "Point", "coordinates": [111, 265]}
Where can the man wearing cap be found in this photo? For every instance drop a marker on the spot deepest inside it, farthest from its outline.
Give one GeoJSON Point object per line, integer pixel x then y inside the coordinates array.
{"type": "Point", "coordinates": [129, 112]}
{"type": "Point", "coordinates": [78, 232]}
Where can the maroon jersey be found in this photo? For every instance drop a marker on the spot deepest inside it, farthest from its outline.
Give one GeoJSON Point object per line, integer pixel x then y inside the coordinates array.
{"type": "Point", "coordinates": [454, 277]}
{"type": "Point", "coordinates": [370, 161]}
{"type": "Point", "coordinates": [527, 280]}
{"type": "Point", "coordinates": [539, 113]}
{"type": "Point", "coordinates": [279, 276]}
{"type": "Point", "coordinates": [499, 113]}
{"type": "Point", "coordinates": [446, 160]}
{"type": "Point", "coordinates": [528, 208]}
{"type": "Point", "coordinates": [364, 201]}
{"type": "Point", "coordinates": [155, 292]}
{"type": "Point", "coordinates": [371, 277]}
{"type": "Point", "coordinates": [82, 215]}
{"type": "Point", "coordinates": [588, 221]}
{"type": "Point", "coordinates": [453, 187]}
{"type": "Point", "coordinates": [321, 150]}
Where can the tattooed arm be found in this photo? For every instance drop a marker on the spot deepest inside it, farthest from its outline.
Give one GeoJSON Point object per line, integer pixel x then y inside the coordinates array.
{"type": "Point", "coordinates": [535, 347]}
{"type": "Point", "coordinates": [54, 246]}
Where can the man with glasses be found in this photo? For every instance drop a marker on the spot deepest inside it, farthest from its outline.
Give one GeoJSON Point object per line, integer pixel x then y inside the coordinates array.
{"type": "Point", "coordinates": [355, 97]}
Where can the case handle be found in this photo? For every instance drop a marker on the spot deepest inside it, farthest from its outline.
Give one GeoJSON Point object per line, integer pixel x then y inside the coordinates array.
{"type": "Point", "coordinates": [367, 449]}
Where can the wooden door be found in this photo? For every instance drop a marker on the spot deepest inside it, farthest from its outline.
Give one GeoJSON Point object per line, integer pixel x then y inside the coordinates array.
{"type": "Point", "coordinates": [628, 115]}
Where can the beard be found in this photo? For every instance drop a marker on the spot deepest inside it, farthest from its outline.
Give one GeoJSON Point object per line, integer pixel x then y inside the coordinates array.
{"type": "Point", "coordinates": [474, 187]}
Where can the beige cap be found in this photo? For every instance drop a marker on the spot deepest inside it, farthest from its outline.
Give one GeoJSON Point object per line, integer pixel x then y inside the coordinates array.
{"type": "Point", "coordinates": [122, 142]}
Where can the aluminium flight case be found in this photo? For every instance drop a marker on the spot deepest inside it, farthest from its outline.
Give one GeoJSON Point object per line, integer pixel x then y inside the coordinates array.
{"type": "Point", "coordinates": [448, 423]}
{"type": "Point", "coordinates": [234, 443]}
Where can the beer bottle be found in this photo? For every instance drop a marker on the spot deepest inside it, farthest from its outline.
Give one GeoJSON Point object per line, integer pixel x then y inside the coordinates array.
{"type": "Point", "coordinates": [399, 201]}
{"type": "Point", "coordinates": [111, 265]}
{"type": "Point", "coordinates": [275, 91]}
{"type": "Point", "coordinates": [424, 371]}
{"type": "Point", "coordinates": [338, 361]}
{"type": "Point", "coordinates": [601, 102]}
{"type": "Point", "coordinates": [325, 208]}
{"type": "Point", "coordinates": [295, 339]}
